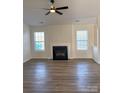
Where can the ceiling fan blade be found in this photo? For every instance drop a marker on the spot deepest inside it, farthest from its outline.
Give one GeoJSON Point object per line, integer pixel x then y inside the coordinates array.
{"type": "Point", "coordinates": [47, 13]}
{"type": "Point", "coordinates": [60, 8]}
{"type": "Point", "coordinates": [59, 12]}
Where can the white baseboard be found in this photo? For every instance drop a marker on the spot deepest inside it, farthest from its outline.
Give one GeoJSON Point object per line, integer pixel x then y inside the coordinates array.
{"type": "Point", "coordinates": [96, 60]}
{"type": "Point", "coordinates": [68, 58]}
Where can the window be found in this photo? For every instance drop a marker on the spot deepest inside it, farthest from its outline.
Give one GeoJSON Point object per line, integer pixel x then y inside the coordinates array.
{"type": "Point", "coordinates": [82, 40]}
{"type": "Point", "coordinates": [39, 41]}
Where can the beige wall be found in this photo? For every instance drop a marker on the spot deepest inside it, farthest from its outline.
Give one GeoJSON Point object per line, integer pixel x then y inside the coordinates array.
{"type": "Point", "coordinates": [63, 35]}
{"type": "Point", "coordinates": [26, 43]}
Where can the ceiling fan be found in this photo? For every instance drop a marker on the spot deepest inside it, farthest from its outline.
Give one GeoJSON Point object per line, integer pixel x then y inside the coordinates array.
{"type": "Point", "coordinates": [53, 9]}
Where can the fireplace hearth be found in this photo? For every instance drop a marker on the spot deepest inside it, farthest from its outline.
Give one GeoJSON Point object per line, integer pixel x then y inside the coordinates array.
{"type": "Point", "coordinates": [60, 53]}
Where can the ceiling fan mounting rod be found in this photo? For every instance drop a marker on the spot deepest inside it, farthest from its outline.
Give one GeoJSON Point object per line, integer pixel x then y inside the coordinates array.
{"type": "Point", "coordinates": [52, 1]}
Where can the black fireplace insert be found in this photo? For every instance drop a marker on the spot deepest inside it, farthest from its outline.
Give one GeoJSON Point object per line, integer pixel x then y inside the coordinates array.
{"type": "Point", "coordinates": [60, 53]}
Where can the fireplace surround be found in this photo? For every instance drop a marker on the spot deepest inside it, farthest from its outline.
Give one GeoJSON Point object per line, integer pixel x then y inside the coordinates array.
{"type": "Point", "coordinates": [60, 53]}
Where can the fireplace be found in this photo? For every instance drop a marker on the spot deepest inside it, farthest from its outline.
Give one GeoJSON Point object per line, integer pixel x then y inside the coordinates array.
{"type": "Point", "coordinates": [60, 53]}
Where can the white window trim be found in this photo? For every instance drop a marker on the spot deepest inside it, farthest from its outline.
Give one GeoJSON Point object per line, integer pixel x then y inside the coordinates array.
{"type": "Point", "coordinates": [39, 41]}
{"type": "Point", "coordinates": [87, 41]}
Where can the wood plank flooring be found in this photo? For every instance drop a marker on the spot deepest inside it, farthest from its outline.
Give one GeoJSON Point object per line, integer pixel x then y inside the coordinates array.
{"type": "Point", "coordinates": [71, 76]}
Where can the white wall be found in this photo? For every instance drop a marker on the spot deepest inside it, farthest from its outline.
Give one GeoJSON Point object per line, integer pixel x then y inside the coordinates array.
{"type": "Point", "coordinates": [96, 55]}
{"type": "Point", "coordinates": [90, 29]}
{"type": "Point", "coordinates": [63, 35]}
{"type": "Point", "coordinates": [96, 47]}
{"type": "Point", "coordinates": [54, 35]}
{"type": "Point", "coordinates": [26, 43]}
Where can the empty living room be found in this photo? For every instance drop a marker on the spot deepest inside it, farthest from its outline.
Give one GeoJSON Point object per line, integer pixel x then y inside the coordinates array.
{"type": "Point", "coordinates": [61, 46]}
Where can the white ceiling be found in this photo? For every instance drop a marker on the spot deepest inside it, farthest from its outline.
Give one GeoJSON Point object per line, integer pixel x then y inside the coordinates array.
{"type": "Point", "coordinates": [84, 10]}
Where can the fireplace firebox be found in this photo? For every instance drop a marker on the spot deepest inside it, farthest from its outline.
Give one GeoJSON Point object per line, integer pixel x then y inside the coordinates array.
{"type": "Point", "coordinates": [60, 53]}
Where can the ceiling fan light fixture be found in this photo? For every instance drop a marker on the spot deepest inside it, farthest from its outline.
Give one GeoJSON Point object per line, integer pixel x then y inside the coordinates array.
{"type": "Point", "coordinates": [52, 11]}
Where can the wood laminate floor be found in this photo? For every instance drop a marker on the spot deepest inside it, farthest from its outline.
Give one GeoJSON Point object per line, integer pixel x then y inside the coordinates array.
{"type": "Point", "coordinates": [72, 76]}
